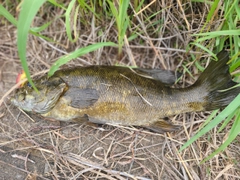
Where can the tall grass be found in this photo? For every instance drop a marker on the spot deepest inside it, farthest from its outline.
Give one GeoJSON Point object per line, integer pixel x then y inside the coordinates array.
{"type": "Point", "coordinates": [120, 13]}
{"type": "Point", "coordinates": [228, 31]}
{"type": "Point", "coordinates": [29, 9]}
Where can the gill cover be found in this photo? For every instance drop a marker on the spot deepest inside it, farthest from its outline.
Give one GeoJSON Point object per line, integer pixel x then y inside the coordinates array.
{"type": "Point", "coordinates": [49, 91]}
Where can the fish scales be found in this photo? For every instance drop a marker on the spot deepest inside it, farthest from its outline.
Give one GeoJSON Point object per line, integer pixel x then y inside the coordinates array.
{"type": "Point", "coordinates": [125, 97]}
{"type": "Point", "coordinates": [121, 95]}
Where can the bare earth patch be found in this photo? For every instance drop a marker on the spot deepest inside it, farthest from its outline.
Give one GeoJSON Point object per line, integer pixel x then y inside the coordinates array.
{"type": "Point", "coordinates": [34, 148]}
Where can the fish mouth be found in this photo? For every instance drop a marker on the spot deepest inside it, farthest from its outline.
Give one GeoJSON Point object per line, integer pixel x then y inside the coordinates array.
{"type": "Point", "coordinates": [20, 104]}
{"type": "Point", "coordinates": [39, 102]}
{"type": "Point", "coordinates": [13, 101]}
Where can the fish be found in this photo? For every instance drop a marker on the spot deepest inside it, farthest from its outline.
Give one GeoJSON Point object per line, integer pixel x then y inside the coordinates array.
{"type": "Point", "coordinates": [126, 96]}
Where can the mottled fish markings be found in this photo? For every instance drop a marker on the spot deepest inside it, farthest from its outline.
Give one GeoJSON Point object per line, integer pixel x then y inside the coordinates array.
{"type": "Point", "coordinates": [125, 96]}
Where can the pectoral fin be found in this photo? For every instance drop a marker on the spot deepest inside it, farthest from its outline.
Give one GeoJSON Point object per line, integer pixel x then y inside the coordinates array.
{"type": "Point", "coordinates": [82, 98]}
{"type": "Point", "coordinates": [162, 126]}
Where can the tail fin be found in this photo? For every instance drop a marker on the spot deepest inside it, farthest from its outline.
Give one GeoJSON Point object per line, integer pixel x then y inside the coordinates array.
{"type": "Point", "coordinates": [216, 79]}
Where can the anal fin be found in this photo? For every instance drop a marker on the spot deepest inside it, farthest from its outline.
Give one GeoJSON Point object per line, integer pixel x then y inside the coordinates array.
{"type": "Point", "coordinates": [162, 126]}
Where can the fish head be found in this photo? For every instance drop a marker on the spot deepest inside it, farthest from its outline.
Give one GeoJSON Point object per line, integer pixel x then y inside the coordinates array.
{"type": "Point", "coordinates": [43, 100]}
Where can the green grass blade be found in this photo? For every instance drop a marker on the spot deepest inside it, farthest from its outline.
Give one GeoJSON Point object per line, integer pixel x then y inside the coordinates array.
{"type": "Point", "coordinates": [187, 70]}
{"type": "Point", "coordinates": [220, 33]}
{"type": "Point", "coordinates": [33, 30]}
{"type": "Point", "coordinates": [235, 130]}
{"type": "Point", "coordinates": [132, 37]}
{"type": "Point", "coordinates": [229, 10]}
{"type": "Point", "coordinates": [77, 53]}
{"type": "Point", "coordinates": [205, 49]}
{"type": "Point", "coordinates": [237, 8]}
{"type": "Point", "coordinates": [7, 15]}
{"type": "Point", "coordinates": [123, 6]}
{"type": "Point", "coordinates": [203, 1]}
{"type": "Point", "coordinates": [139, 6]}
{"type": "Point", "coordinates": [83, 5]}
{"type": "Point", "coordinates": [68, 21]}
{"type": "Point", "coordinates": [212, 10]}
{"type": "Point", "coordinates": [56, 4]}
{"type": "Point", "coordinates": [122, 20]}
{"type": "Point", "coordinates": [211, 35]}
{"type": "Point", "coordinates": [113, 9]}
{"type": "Point", "coordinates": [235, 65]}
{"type": "Point", "coordinates": [28, 11]}
{"type": "Point", "coordinates": [198, 65]}
{"type": "Point", "coordinates": [210, 117]}
{"type": "Point", "coordinates": [40, 28]}
{"type": "Point", "coordinates": [219, 118]}
{"type": "Point", "coordinates": [225, 123]}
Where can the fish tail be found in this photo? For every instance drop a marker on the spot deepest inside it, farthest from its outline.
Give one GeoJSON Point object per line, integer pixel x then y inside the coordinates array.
{"type": "Point", "coordinates": [217, 80]}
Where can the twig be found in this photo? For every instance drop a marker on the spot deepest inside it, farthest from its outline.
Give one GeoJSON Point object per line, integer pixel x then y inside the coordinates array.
{"type": "Point", "coordinates": [137, 90]}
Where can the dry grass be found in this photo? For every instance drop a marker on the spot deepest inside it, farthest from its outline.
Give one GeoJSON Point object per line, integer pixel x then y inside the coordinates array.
{"type": "Point", "coordinates": [33, 148]}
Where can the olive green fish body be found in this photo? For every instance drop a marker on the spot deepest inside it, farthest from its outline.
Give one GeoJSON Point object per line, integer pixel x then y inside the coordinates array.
{"type": "Point", "coordinates": [120, 95]}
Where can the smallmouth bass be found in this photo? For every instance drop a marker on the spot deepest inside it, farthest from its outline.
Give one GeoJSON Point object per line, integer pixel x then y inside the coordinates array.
{"type": "Point", "coordinates": [124, 96]}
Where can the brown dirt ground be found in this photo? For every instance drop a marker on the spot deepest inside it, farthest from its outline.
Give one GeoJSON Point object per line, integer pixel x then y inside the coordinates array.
{"type": "Point", "coordinates": [34, 148]}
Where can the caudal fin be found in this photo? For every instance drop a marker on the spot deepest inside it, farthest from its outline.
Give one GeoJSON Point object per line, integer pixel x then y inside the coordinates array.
{"type": "Point", "coordinates": [217, 80]}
